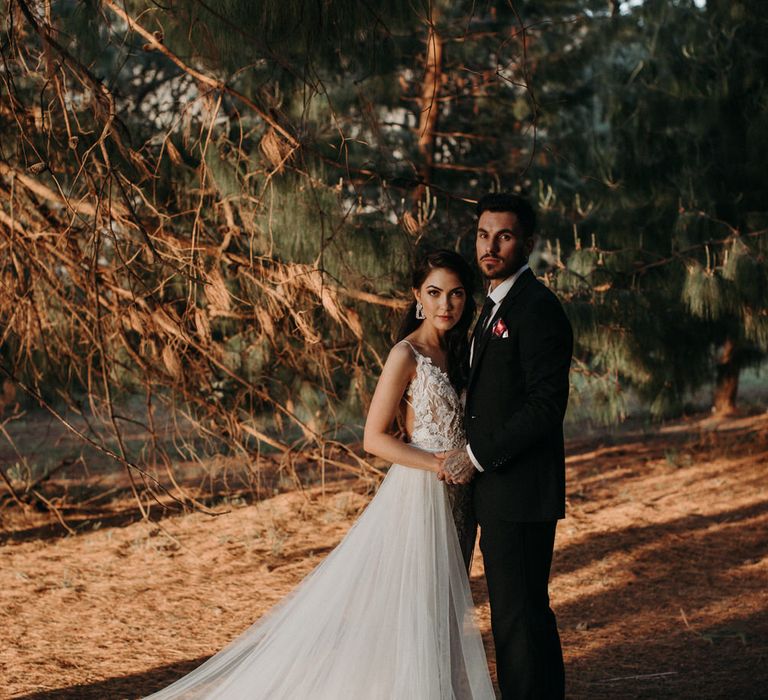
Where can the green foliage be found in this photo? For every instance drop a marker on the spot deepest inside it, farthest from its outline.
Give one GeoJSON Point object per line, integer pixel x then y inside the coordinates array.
{"type": "Point", "coordinates": [654, 121]}
{"type": "Point", "coordinates": [703, 293]}
{"type": "Point", "coordinates": [283, 199]}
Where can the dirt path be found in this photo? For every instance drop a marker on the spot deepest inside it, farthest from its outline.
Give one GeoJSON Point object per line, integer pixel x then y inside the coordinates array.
{"type": "Point", "coordinates": [660, 577]}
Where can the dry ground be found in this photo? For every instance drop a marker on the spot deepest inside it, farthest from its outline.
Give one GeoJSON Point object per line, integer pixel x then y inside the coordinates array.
{"type": "Point", "coordinates": [660, 577]}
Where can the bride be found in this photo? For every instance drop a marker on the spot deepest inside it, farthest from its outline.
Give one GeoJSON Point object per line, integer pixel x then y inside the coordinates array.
{"type": "Point", "coordinates": [388, 614]}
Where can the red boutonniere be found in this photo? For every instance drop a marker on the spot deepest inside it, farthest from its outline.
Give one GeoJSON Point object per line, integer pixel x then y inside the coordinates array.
{"type": "Point", "coordinates": [500, 329]}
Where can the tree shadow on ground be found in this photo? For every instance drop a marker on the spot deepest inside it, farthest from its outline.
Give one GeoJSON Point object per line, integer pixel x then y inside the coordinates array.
{"type": "Point", "coordinates": [636, 625]}
{"type": "Point", "coordinates": [84, 519]}
{"type": "Point", "coordinates": [603, 544]}
{"type": "Point", "coordinates": [672, 565]}
{"type": "Point", "coordinates": [128, 687]}
{"type": "Point", "coordinates": [668, 665]}
{"type": "Point", "coordinates": [607, 467]}
{"type": "Point", "coordinates": [629, 638]}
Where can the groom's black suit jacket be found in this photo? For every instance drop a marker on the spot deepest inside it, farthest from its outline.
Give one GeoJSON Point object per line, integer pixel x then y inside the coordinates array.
{"type": "Point", "coordinates": [516, 400]}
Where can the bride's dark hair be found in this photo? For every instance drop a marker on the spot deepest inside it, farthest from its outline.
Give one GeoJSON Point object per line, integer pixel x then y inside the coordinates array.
{"type": "Point", "coordinates": [456, 339]}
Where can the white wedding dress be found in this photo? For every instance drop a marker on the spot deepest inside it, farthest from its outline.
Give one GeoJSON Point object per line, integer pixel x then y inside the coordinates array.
{"type": "Point", "coordinates": [388, 615]}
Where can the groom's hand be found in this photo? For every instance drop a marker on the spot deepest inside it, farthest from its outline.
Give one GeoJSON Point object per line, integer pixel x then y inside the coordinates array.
{"type": "Point", "coordinates": [457, 467]}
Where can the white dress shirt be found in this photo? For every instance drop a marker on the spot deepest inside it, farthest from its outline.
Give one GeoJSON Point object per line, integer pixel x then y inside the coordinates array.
{"type": "Point", "coordinates": [497, 294]}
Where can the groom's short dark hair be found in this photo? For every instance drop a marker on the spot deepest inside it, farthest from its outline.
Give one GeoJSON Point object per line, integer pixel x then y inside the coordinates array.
{"type": "Point", "coordinates": [514, 203]}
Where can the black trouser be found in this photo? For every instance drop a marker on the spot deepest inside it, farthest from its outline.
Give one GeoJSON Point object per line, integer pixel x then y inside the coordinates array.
{"type": "Point", "coordinates": [517, 557]}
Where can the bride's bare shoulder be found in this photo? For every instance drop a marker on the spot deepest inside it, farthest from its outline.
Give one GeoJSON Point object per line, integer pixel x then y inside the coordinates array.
{"type": "Point", "coordinates": [401, 360]}
{"type": "Point", "coordinates": [402, 353]}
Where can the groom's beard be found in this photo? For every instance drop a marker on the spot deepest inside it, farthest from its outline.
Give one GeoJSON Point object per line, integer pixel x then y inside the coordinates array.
{"type": "Point", "coordinates": [506, 269]}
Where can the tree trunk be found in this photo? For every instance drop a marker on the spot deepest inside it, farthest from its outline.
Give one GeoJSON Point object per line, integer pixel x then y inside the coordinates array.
{"type": "Point", "coordinates": [727, 382]}
{"type": "Point", "coordinates": [429, 104]}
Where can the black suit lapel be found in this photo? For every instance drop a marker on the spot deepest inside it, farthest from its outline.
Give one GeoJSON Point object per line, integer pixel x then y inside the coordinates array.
{"type": "Point", "coordinates": [482, 339]}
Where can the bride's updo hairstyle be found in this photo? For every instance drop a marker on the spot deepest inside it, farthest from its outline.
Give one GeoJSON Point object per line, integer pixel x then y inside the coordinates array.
{"type": "Point", "coordinates": [456, 339]}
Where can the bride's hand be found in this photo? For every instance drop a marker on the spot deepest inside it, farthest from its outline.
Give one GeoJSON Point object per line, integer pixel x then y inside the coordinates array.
{"type": "Point", "coordinates": [439, 466]}
{"type": "Point", "coordinates": [457, 467]}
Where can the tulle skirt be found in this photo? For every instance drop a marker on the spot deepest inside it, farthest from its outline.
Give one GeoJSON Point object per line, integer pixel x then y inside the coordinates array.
{"type": "Point", "coordinates": [387, 615]}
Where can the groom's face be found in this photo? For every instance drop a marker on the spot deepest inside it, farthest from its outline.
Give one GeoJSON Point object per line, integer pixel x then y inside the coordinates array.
{"type": "Point", "coordinates": [501, 246]}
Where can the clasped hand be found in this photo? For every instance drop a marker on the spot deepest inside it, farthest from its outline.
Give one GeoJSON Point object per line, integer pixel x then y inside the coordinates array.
{"type": "Point", "coordinates": [455, 467]}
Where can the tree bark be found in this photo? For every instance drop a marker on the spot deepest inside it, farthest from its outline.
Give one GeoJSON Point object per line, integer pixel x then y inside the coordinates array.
{"type": "Point", "coordinates": [727, 380]}
{"type": "Point", "coordinates": [429, 105]}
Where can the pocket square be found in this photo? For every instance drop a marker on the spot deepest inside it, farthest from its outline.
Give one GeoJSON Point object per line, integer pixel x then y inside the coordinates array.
{"type": "Point", "coordinates": [500, 329]}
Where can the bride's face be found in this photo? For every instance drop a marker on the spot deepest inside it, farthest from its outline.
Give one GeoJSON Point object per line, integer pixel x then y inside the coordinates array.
{"type": "Point", "coordinates": [443, 297]}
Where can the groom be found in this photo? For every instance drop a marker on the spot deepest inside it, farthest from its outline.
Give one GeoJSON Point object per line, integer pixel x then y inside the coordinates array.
{"type": "Point", "coordinates": [520, 355]}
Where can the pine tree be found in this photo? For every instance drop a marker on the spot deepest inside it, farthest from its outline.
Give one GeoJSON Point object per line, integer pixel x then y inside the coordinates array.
{"type": "Point", "coordinates": [657, 145]}
{"type": "Point", "coordinates": [217, 206]}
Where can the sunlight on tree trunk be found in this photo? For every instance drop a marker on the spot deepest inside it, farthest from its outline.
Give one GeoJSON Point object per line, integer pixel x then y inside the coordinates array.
{"type": "Point", "coordinates": [430, 106]}
{"type": "Point", "coordinates": [727, 384]}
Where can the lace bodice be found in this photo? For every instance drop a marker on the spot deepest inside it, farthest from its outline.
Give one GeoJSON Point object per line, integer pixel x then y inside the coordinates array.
{"type": "Point", "coordinates": [438, 411]}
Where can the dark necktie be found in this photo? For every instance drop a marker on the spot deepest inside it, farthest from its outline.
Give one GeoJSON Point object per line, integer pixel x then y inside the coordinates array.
{"type": "Point", "coordinates": [485, 314]}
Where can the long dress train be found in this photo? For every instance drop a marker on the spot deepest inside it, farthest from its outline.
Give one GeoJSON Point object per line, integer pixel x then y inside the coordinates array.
{"type": "Point", "coordinates": [387, 615]}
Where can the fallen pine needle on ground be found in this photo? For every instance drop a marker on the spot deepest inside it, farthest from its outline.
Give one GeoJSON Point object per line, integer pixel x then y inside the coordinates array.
{"type": "Point", "coordinates": [659, 578]}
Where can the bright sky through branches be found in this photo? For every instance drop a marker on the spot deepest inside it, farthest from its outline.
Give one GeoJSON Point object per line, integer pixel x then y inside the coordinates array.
{"type": "Point", "coordinates": [627, 6]}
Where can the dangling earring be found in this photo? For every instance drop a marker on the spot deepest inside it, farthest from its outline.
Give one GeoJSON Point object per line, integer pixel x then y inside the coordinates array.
{"type": "Point", "coordinates": [419, 310]}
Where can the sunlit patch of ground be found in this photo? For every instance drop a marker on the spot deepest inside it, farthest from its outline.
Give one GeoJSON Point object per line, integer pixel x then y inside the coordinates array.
{"type": "Point", "coordinates": [659, 580]}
